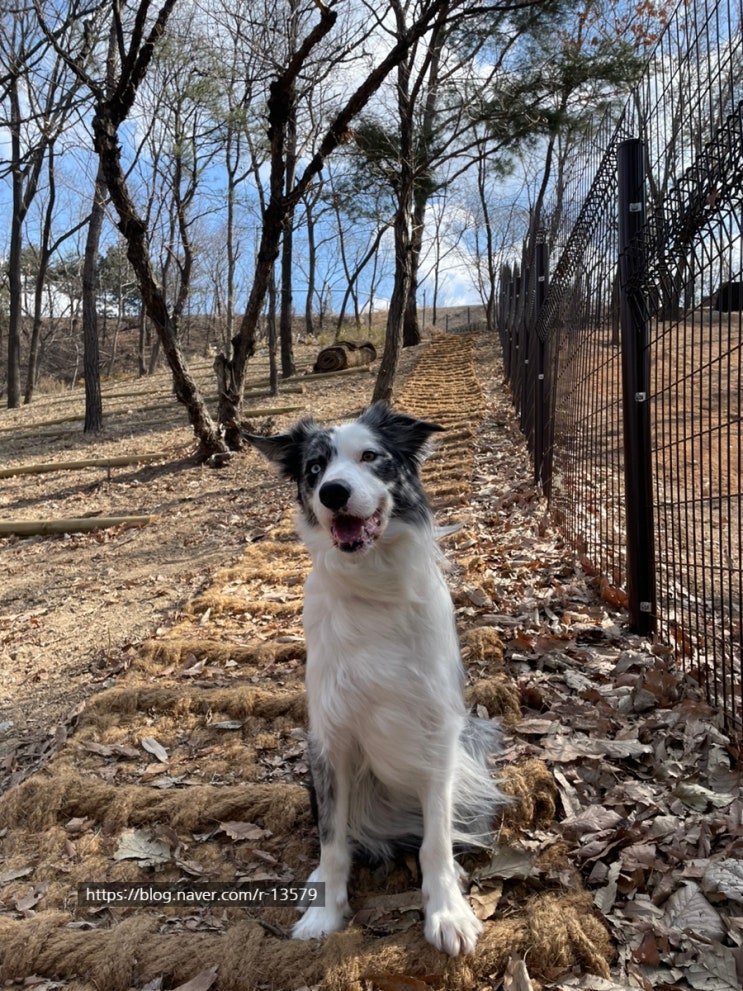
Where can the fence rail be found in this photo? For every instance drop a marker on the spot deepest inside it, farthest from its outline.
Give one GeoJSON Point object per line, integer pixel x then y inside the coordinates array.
{"type": "Point", "coordinates": [626, 363]}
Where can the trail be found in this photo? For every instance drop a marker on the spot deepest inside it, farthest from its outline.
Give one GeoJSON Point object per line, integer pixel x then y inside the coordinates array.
{"type": "Point", "coordinates": [197, 754]}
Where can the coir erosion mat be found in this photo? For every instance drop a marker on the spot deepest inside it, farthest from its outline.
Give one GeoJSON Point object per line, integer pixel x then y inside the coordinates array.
{"type": "Point", "coordinates": [192, 767]}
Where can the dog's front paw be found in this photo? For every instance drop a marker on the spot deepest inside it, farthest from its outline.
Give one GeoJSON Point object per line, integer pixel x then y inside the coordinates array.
{"type": "Point", "coordinates": [453, 928]}
{"type": "Point", "coordinates": [319, 921]}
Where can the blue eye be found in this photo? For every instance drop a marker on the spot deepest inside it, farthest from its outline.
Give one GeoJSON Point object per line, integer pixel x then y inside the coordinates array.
{"type": "Point", "coordinates": [315, 468]}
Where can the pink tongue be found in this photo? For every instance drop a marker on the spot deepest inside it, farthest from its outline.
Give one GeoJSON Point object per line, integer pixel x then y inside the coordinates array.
{"type": "Point", "coordinates": [348, 528]}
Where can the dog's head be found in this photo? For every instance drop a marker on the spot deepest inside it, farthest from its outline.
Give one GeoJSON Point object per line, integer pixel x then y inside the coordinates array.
{"type": "Point", "coordinates": [354, 478]}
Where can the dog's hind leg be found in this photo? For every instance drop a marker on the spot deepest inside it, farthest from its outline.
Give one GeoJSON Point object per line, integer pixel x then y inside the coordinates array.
{"type": "Point", "coordinates": [332, 791]}
{"type": "Point", "coordinates": [451, 925]}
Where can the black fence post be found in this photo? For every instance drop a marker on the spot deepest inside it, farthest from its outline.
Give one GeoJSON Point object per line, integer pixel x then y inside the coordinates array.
{"type": "Point", "coordinates": [539, 405]}
{"type": "Point", "coordinates": [525, 346]}
{"type": "Point", "coordinates": [635, 388]}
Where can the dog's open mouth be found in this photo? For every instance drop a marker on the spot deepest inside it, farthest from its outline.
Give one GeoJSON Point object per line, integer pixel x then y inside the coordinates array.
{"type": "Point", "coordinates": [353, 533]}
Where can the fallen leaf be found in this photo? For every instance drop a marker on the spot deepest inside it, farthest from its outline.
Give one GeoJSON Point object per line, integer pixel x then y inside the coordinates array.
{"type": "Point", "coordinates": [80, 824]}
{"type": "Point", "coordinates": [391, 913]}
{"type": "Point", "coordinates": [192, 867]}
{"type": "Point", "coordinates": [568, 794]}
{"type": "Point", "coordinates": [202, 982]}
{"type": "Point", "coordinates": [696, 797]}
{"type": "Point", "coordinates": [604, 898]}
{"type": "Point", "coordinates": [13, 874]}
{"type": "Point", "coordinates": [714, 970]}
{"type": "Point", "coordinates": [27, 902]}
{"type": "Point", "coordinates": [136, 844]}
{"type": "Point", "coordinates": [516, 977]}
{"type": "Point", "coordinates": [591, 983]}
{"type": "Point", "coordinates": [102, 749]}
{"type": "Point", "coordinates": [150, 744]}
{"type": "Point", "coordinates": [244, 830]}
{"type": "Point", "coordinates": [647, 952]}
{"type": "Point", "coordinates": [538, 727]}
{"type": "Point", "coordinates": [687, 910]}
{"type": "Point", "coordinates": [485, 903]}
{"type": "Point", "coordinates": [593, 819]}
{"type": "Point", "coordinates": [724, 877]}
{"type": "Point", "coordinates": [507, 863]}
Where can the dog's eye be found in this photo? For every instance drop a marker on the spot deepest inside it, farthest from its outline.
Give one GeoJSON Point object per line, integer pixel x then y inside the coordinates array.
{"type": "Point", "coordinates": [314, 468]}
{"type": "Point", "coordinates": [369, 456]}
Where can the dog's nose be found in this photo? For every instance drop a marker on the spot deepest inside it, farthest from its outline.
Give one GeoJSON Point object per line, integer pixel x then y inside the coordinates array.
{"type": "Point", "coordinates": [334, 495]}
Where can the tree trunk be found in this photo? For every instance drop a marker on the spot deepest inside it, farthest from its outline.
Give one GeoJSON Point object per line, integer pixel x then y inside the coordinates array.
{"type": "Point", "coordinates": [91, 355]}
{"type": "Point", "coordinates": [231, 248]}
{"type": "Point", "coordinates": [287, 308]}
{"type": "Point", "coordinates": [423, 187]}
{"type": "Point", "coordinates": [311, 266]}
{"type": "Point", "coordinates": [487, 290]}
{"type": "Point", "coordinates": [45, 252]}
{"type": "Point", "coordinates": [231, 371]}
{"type": "Point", "coordinates": [411, 332]}
{"type": "Point", "coordinates": [15, 277]}
{"type": "Point", "coordinates": [132, 227]}
{"type": "Point", "coordinates": [273, 371]}
{"type": "Point", "coordinates": [403, 262]}
{"type": "Point", "coordinates": [396, 314]}
{"type": "Point", "coordinates": [287, 243]}
{"type": "Point", "coordinates": [274, 218]}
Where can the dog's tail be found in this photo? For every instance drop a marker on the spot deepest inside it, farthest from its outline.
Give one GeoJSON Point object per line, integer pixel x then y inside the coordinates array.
{"type": "Point", "coordinates": [385, 823]}
{"type": "Point", "coordinates": [477, 797]}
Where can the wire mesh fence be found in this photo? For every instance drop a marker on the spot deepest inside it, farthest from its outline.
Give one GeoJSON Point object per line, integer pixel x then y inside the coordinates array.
{"type": "Point", "coordinates": [625, 361]}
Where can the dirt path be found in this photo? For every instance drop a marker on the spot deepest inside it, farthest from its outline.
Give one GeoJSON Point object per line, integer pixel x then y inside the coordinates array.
{"type": "Point", "coordinates": [190, 764]}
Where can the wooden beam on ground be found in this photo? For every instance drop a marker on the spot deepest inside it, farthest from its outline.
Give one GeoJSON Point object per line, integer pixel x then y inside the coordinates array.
{"type": "Point", "coordinates": [117, 461]}
{"type": "Point", "coordinates": [85, 524]}
{"type": "Point", "coordinates": [313, 376]}
{"type": "Point", "coordinates": [272, 411]}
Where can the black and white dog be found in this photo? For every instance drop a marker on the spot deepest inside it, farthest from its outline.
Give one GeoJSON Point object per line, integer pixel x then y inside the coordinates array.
{"type": "Point", "coordinates": [396, 760]}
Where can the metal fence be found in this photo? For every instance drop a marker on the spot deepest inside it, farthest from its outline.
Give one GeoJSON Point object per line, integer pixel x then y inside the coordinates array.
{"type": "Point", "coordinates": [625, 361]}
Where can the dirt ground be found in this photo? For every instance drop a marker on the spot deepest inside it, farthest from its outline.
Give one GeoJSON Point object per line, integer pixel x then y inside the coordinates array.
{"type": "Point", "coordinates": [75, 607]}
{"type": "Point", "coordinates": [152, 720]}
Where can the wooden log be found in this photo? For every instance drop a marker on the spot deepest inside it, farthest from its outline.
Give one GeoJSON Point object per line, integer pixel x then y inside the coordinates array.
{"type": "Point", "coordinates": [345, 354]}
{"type": "Point", "coordinates": [272, 411]}
{"type": "Point", "coordinates": [112, 462]}
{"type": "Point", "coordinates": [258, 391]}
{"type": "Point", "coordinates": [314, 376]}
{"type": "Point", "coordinates": [85, 524]}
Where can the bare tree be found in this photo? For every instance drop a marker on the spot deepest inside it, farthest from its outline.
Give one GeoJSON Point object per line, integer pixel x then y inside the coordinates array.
{"type": "Point", "coordinates": [139, 29]}
{"type": "Point", "coordinates": [91, 354]}
{"type": "Point", "coordinates": [282, 200]}
{"type": "Point", "coordinates": [38, 94]}
{"type": "Point", "coordinates": [48, 247]}
{"type": "Point", "coordinates": [137, 39]}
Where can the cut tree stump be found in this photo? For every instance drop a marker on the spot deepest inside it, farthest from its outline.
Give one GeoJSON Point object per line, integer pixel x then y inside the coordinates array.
{"type": "Point", "coordinates": [345, 354]}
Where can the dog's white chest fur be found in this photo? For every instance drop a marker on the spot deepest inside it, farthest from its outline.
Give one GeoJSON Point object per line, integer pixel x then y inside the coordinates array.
{"type": "Point", "coordinates": [382, 662]}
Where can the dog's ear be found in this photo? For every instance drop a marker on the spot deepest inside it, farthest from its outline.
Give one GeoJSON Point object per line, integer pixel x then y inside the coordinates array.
{"type": "Point", "coordinates": [405, 433]}
{"type": "Point", "coordinates": [285, 450]}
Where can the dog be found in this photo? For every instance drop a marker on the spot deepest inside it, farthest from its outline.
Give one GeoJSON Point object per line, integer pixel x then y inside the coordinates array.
{"type": "Point", "coordinates": [396, 760]}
